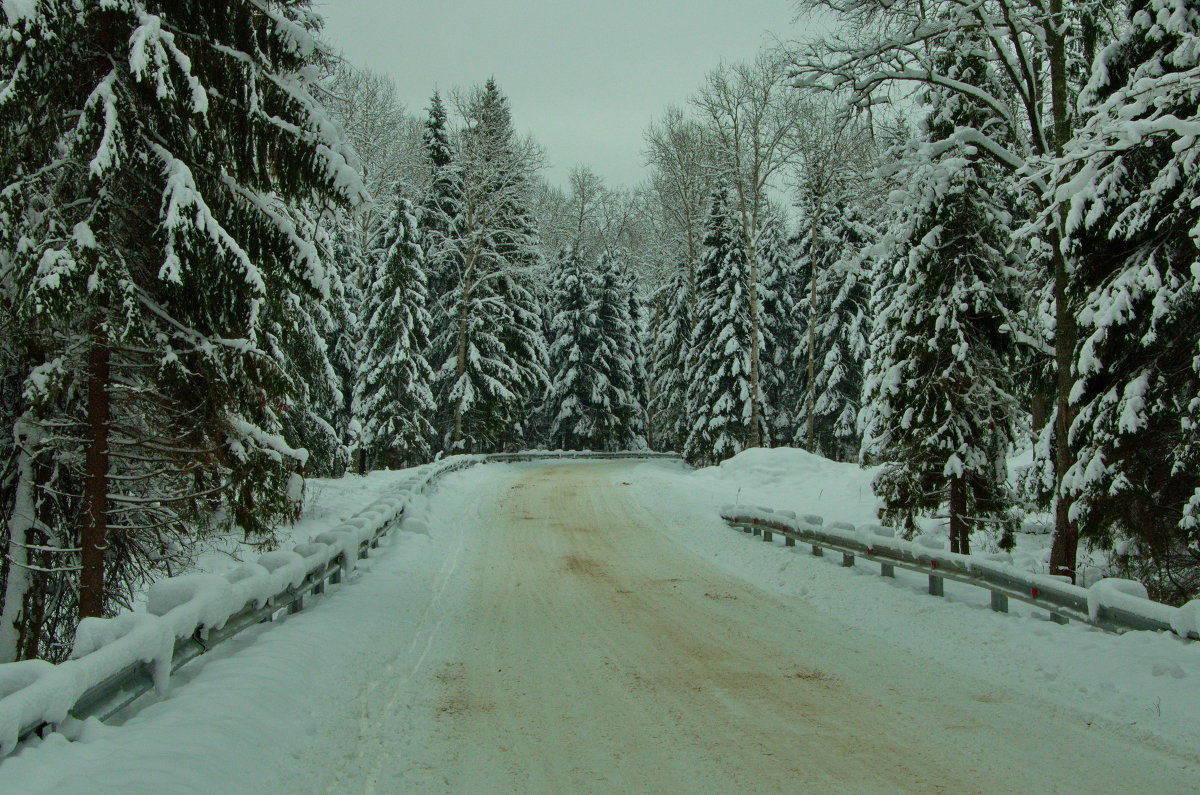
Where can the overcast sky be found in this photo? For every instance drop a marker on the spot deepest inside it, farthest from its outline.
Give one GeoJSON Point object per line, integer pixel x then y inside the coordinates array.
{"type": "Point", "coordinates": [584, 76]}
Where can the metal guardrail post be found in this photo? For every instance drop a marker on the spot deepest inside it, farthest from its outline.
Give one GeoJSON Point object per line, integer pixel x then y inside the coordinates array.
{"type": "Point", "coordinates": [1063, 601]}
{"type": "Point", "coordinates": [767, 536]}
{"type": "Point", "coordinates": [847, 560]}
{"type": "Point", "coordinates": [789, 542]}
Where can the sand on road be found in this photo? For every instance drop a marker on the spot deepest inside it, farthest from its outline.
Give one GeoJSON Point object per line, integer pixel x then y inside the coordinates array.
{"type": "Point", "coordinates": [597, 654]}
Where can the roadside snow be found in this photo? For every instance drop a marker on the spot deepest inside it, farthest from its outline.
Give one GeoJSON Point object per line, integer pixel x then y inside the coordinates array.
{"type": "Point", "coordinates": [249, 715]}
{"type": "Point", "coordinates": [1147, 683]}
{"type": "Point", "coordinates": [327, 503]}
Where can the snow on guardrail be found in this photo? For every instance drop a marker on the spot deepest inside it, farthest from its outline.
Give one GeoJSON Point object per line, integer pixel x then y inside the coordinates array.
{"type": "Point", "coordinates": [1111, 604]}
{"type": "Point", "coordinates": [116, 660]}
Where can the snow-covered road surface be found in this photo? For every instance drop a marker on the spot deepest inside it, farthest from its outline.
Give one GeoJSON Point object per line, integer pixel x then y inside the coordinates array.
{"type": "Point", "coordinates": [555, 634]}
{"type": "Point", "coordinates": [598, 654]}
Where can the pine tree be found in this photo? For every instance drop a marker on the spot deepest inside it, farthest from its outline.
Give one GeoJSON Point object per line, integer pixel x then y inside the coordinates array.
{"type": "Point", "coordinates": [784, 324]}
{"type": "Point", "coordinates": [492, 354]}
{"type": "Point", "coordinates": [298, 338]}
{"type": "Point", "coordinates": [719, 388]}
{"type": "Point", "coordinates": [1131, 192]}
{"type": "Point", "coordinates": [438, 217]}
{"type": "Point", "coordinates": [392, 392]}
{"type": "Point", "coordinates": [939, 407]}
{"type": "Point", "coordinates": [573, 402]}
{"type": "Point", "coordinates": [671, 363]}
{"type": "Point", "coordinates": [616, 355]}
{"type": "Point", "coordinates": [146, 148]}
{"type": "Point", "coordinates": [839, 330]}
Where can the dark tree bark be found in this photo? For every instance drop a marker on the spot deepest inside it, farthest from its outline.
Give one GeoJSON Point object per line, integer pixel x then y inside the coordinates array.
{"type": "Point", "coordinates": [1065, 547]}
{"type": "Point", "coordinates": [95, 488]}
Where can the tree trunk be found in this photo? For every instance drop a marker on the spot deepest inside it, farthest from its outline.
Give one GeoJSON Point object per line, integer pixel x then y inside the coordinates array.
{"type": "Point", "coordinates": [95, 487]}
{"type": "Point", "coordinates": [755, 387]}
{"type": "Point", "coordinates": [960, 534]}
{"type": "Point", "coordinates": [21, 527]}
{"type": "Point", "coordinates": [460, 367]}
{"type": "Point", "coordinates": [812, 339]}
{"type": "Point", "coordinates": [1039, 410]}
{"type": "Point", "coordinates": [1065, 546]}
{"type": "Point", "coordinates": [651, 442]}
{"type": "Point", "coordinates": [1064, 549]}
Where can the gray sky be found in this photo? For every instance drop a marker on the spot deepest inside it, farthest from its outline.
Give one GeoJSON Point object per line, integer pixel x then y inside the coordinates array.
{"type": "Point", "coordinates": [585, 77]}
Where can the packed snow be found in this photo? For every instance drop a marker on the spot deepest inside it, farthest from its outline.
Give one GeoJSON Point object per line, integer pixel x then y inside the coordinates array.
{"type": "Point", "coordinates": [351, 694]}
{"type": "Point", "coordinates": [1144, 681]}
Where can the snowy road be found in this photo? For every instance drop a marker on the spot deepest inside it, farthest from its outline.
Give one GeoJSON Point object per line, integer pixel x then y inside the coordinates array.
{"type": "Point", "coordinates": [598, 654]}
{"type": "Point", "coordinates": [554, 634]}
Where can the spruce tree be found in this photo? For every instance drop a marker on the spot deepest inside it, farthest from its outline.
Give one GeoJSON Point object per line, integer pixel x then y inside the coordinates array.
{"type": "Point", "coordinates": [939, 404]}
{"type": "Point", "coordinates": [392, 391]}
{"type": "Point", "coordinates": [718, 392]}
{"type": "Point", "coordinates": [616, 355]}
{"type": "Point", "coordinates": [492, 353]}
{"type": "Point", "coordinates": [438, 217]}
{"type": "Point", "coordinates": [784, 323]}
{"type": "Point", "coordinates": [1131, 193]}
{"type": "Point", "coordinates": [840, 328]}
{"type": "Point", "coordinates": [573, 405]}
{"type": "Point", "coordinates": [146, 149]}
{"type": "Point", "coordinates": [670, 360]}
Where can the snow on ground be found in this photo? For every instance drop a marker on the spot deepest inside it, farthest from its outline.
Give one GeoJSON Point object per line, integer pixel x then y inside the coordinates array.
{"type": "Point", "coordinates": [1147, 683]}
{"type": "Point", "coordinates": [797, 480]}
{"type": "Point", "coordinates": [353, 690]}
{"type": "Point", "coordinates": [327, 503]}
{"type": "Point", "coordinates": [249, 715]}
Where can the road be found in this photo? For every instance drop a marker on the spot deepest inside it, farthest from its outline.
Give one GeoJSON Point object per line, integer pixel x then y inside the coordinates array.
{"type": "Point", "coordinates": [595, 653]}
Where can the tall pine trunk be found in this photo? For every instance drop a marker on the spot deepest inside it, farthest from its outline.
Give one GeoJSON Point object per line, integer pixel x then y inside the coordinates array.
{"type": "Point", "coordinates": [1064, 549]}
{"type": "Point", "coordinates": [960, 533]}
{"type": "Point", "coordinates": [460, 368]}
{"type": "Point", "coordinates": [812, 338]}
{"type": "Point", "coordinates": [95, 487]}
{"type": "Point", "coordinates": [21, 527]}
{"type": "Point", "coordinates": [756, 439]}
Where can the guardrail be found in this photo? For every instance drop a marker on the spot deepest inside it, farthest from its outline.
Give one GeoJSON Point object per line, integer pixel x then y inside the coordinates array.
{"type": "Point", "coordinates": [1110, 604]}
{"type": "Point", "coordinates": [116, 661]}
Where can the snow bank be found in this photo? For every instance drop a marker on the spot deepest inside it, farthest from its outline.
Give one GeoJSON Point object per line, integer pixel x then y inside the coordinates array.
{"type": "Point", "coordinates": [1109, 603]}
{"type": "Point", "coordinates": [1143, 681]}
{"type": "Point", "coordinates": [790, 478]}
{"type": "Point", "coordinates": [35, 692]}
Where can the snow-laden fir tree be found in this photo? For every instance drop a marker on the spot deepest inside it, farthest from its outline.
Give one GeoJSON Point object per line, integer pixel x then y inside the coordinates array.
{"type": "Point", "coordinates": [783, 327]}
{"type": "Point", "coordinates": [835, 307]}
{"type": "Point", "coordinates": [574, 404]}
{"type": "Point", "coordinates": [392, 391]}
{"type": "Point", "coordinates": [438, 216]}
{"type": "Point", "coordinates": [636, 311]}
{"type": "Point", "coordinates": [616, 355]}
{"type": "Point", "coordinates": [670, 359]}
{"type": "Point", "coordinates": [146, 150]}
{"type": "Point", "coordinates": [491, 354]}
{"type": "Point", "coordinates": [300, 336]}
{"type": "Point", "coordinates": [1131, 191]}
{"type": "Point", "coordinates": [718, 385]}
{"type": "Point", "coordinates": [939, 405]}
